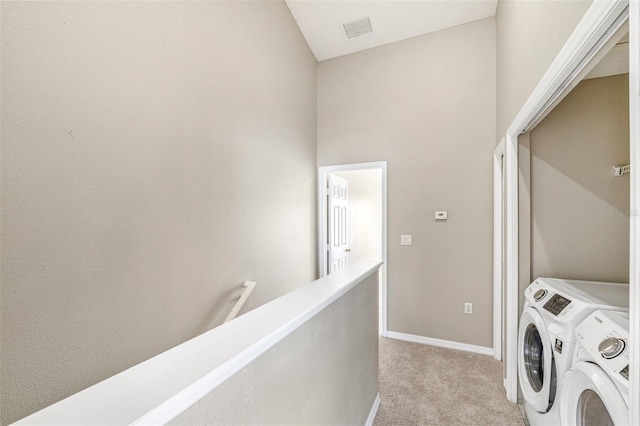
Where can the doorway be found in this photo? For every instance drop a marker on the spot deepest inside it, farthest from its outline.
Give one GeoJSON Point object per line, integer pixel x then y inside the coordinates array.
{"type": "Point", "coordinates": [499, 251]}
{"type": "Point", "coordinates": [365, 221]}
{"type": "Point", "coordinates": [591, 40]}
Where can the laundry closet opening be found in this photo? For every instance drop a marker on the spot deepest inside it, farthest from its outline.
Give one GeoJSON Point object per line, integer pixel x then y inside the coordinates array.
{"type": "Point", "coordinates": [352, 220]}
{"type": "Point", "coordinates": [574, 240]}
{"type": "Point", "coordinates": [577, 206]}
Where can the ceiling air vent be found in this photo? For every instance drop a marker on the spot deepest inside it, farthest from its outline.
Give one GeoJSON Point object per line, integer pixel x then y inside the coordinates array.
{"type": "Point", "coordinates": [358, 28]}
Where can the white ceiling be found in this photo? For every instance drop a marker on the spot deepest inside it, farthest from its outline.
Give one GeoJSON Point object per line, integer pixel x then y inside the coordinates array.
{"type": "Point", "coordinates": [392, 20]}
{"type": "Point", "coordinates": [614, 63]}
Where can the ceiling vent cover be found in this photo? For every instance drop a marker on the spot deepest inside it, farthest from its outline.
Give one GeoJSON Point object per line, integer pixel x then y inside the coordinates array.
{"type": "Point", "coordinates": [358, 28]}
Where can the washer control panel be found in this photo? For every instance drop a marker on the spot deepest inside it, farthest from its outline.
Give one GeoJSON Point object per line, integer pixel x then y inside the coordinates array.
{"type": "Point", "coordinates": [540, 294]}
{"type": "Point", "coordinates": [604, 336]}
{"type": "Point", "coordinates": [551, 300]}
{"type": "Point", "coordinates": [556, 304]}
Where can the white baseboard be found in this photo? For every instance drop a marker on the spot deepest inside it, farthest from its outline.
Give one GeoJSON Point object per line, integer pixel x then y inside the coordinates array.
{"type": "Point", "coordinates": [374, 410]}
{"type": "Point", "coordinates": [440, 343]}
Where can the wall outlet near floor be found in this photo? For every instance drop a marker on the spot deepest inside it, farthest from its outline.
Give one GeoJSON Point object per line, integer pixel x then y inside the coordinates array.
{"type": "Point", "coordinates": [405, 240]}
{"type": "Point", "coordinates": [468, 308]}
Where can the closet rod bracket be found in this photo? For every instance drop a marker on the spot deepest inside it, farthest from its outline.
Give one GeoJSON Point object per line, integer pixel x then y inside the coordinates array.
{"type": "Point", "coordinates": [620, 170]}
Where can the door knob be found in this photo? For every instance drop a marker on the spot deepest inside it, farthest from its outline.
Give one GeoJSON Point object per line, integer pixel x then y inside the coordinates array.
{"type": "Point", "coordinates": [348, 250]}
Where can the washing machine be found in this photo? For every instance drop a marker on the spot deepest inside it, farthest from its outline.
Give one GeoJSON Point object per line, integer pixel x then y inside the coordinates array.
{"type": "Point", "coordinates": [553, 310]}
{"type": "Point", "coordinates": [596, 390]}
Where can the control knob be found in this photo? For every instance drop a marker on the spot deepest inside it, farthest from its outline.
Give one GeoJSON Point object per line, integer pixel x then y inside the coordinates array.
{"type": "Point", "coordinates": [611, 347]}
{"type": "Point", "coordinates": [539, 295]}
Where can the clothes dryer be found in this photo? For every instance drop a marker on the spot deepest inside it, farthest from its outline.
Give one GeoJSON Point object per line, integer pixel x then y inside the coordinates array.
{"type": "Point", "coordinates": [596, 390]}
{"type": "Point", "coordinates": [546, 340]}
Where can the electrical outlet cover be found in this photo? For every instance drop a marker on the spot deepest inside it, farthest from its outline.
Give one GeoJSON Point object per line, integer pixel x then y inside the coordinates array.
{"type": "Point", "coordinates": [441, 215]}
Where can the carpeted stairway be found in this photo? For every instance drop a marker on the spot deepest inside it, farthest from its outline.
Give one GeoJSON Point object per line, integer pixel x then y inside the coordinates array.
{"type": "Point", "coordinates": [427, 385]}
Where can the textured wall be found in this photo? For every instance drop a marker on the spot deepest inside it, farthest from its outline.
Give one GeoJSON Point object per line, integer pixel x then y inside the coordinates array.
{"type": "Point", "coordinates": [324, 373]}
{"type": "Point", "coordinates": [155, 155]}
{"type": "Point", "coordinates": [579, 209]}
{"type": "Point", "coordinates": [529, 35]}
{"type": "Point", "coordinates": [426, 106]}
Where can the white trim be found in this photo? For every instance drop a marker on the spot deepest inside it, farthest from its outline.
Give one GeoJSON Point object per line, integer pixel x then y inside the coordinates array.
{"type": "Point", "coordinates": [374, 410]}
{"type": "Point", "coordinates": [323, 172]}
{"type": "Point", "coordinates": [497, 250]}
{"type": "Point", "coordinates": [599, 24]}
{"type": "Point", "coordinates": [511, 171]}
{"type": "Point", "coordinates": [634, 261]}
{"type": "Point", "coordinates": [482, 350]}
{"type": "Point", "coordinates": [160, 388]}
{"type": "Point", "coordinates": [322, 222]}
{"type": "Point", "coordinates": [383, 268]}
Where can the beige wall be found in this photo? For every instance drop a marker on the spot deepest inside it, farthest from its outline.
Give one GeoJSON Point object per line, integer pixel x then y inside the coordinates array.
{"type": "Point", "coordinates": [365, 213]}
{"type": "Point", "coordinates": [155, 155]}
{"type": "Point", "coordinates": [579, 209]}
{"type": "Point", "coordinates": [427, 106]}
{"type": "Point", "coordinates": [323, 373]}
{"type": "Point", "coordinates": [529, 35]}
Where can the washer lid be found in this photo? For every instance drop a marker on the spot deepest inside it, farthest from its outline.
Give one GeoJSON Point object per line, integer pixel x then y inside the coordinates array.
{"type": "Point", "coordinates": [602, 294]}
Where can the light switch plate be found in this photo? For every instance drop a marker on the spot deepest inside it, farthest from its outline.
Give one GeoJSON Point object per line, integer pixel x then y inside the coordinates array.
{"type": "Point", "coordinates": [405, 240]}
{"type": "Point", "coordinates": [441, 215]}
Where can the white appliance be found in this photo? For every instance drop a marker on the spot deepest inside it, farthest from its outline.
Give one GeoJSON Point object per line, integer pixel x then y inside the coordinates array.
{"type": "Point", "coordinates": [553, 310]}
{"type": "Point", "coordinates": [596, 390]}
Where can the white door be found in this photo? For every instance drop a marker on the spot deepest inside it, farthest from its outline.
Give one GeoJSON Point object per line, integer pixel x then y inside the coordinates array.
{"type": "Point", "coordinates": [338, 235]}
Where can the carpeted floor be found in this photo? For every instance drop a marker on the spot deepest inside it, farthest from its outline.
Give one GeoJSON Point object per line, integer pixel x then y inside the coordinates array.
{"type": "Point", "coordinates": [427, 385]}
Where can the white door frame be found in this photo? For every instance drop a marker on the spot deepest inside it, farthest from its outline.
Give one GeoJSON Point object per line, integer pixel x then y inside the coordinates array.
{"type": "Point", "coordinates": [322, 225]}
{"type": "Point", "coordinates": [634, 252]}
{"type": "Point", "coordinates": [498, 154]}
{"type": "Point", "coordinates": [595, 30]}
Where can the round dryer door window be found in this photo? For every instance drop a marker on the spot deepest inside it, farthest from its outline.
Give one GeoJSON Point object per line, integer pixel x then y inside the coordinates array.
{"type": "Point", "coordinates": [589, 397]}
{"type": "Point", "coordinates": [536, 369]}
{"type": "Point", "coordinates": [592, 411]}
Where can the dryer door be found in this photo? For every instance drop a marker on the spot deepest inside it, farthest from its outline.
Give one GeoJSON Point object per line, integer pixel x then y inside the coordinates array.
{"type": "Point", "coordinates": [536, 369]}
{"type": "Point", "coordinates": [589, 397]}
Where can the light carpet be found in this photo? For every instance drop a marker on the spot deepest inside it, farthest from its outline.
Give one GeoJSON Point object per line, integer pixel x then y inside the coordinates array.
{"type": "Point", "coordinates": [427, 385]}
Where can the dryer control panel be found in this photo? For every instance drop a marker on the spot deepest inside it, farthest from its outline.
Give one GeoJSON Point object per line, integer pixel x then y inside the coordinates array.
{"type": "Point", "coordinates": [604, 336]}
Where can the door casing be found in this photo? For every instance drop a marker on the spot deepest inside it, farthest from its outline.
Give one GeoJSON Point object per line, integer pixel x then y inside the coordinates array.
{"type": "Point", "coordinates": [586, 45]}
{"type": "Point", "coordinates": [323, 173]}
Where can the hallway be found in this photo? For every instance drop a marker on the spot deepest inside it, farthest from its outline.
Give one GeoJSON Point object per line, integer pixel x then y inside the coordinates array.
{"type": "Point", "coordinates": [424, 385]}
